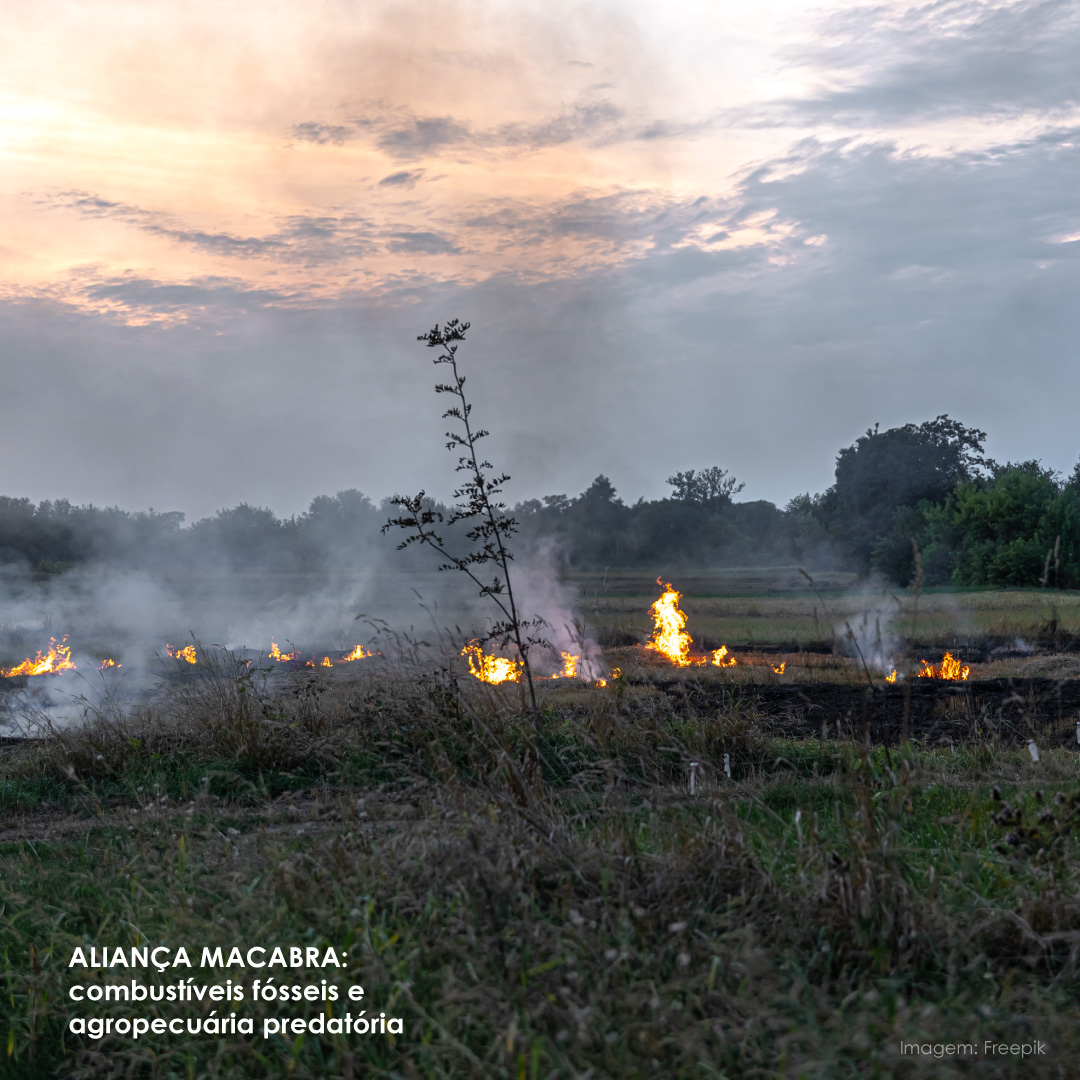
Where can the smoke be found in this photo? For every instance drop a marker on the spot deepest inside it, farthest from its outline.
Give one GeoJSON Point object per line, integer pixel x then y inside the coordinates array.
{"type": "Point", "coordinates": [871, 636]}
{"type": "Point", "coordinates": [336, 590]}
{"type": "Point", "coordinates": [551, 601]}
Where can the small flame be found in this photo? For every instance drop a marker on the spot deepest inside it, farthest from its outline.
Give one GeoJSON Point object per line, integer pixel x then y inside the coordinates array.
{"type": "Point", "coordinates": [949, 668]}
{"type": "Point", "coordinates": [779, 670]}
{"type": "Point", "coordinates": [108, 663]}
{"type": "Point", "coordinates": [669, 638]}
{"type": "Point", "coordinates": [359, 653]}
{"type": "Point", "coordinates": [491, 669]}
{"type": "Point", "coordinates": [187, 653]}
{"type": "Point", "coordinates": [326, 662]}
{"type": "Point", "coordinates": [891, 677]}
{"type": "Point", "coordinates": [277, 654]}
{"type": "Point", "coordinates": [616, 673]}
{"type": "Point", "coordinates": [720, 658]}
{"type": "Point", "coordinates": [57, 659]}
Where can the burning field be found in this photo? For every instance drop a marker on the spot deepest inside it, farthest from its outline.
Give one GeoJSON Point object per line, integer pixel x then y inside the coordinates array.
{"type": "Point", "coordinates": [812, 690]}
{"type": "Point", "coordinates": [638, 845]}
{"type": "Point", "coordinates": [820, 692]}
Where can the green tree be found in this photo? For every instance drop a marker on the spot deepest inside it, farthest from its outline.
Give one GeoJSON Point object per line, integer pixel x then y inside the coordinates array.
{"type": "Point", "coordinates": [712, 487]}
{"type": "Point", "coordinates": [1022, 528]}
{"type": "Point", "coordinates": [885, 470]}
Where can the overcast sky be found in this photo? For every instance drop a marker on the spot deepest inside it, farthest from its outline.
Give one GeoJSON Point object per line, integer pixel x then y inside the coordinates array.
{"type": "Point", "coordinates": [686, 234]}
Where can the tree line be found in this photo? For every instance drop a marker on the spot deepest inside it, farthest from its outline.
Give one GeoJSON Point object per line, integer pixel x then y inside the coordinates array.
{"type": "Point", "coordinates": [921, 496]}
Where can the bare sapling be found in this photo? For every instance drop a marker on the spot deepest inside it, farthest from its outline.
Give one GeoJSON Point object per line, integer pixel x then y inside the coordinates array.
{"type": "Point", "coordinates": [478, 506]}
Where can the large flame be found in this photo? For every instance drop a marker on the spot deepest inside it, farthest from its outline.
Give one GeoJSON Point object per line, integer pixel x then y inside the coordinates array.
{"type": "Point", "coordinates": [670, 639]}
{"type": "Point", "coordinates": [359, 653]}
{"type": "Point", "coordinates": [326, 662]}
{"type": "Point", "coordinates": [491, 669]}
{"type": "Point", "coordinates": [187, 653]}
{"type": "Point", "coordinates": [669, 636]}
{"type": "Point", "coordinates": [949, 668]}
{"type": "Point", "coordinates": [57, 659]}
{"type": "Point", "coordinates": [570, 666]}
{"type": "Point", "coordinates": [277, 654]}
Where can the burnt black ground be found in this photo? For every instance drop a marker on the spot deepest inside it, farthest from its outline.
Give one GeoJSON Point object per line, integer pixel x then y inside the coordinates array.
{"type": "Point", "coordinates": [928, 710]}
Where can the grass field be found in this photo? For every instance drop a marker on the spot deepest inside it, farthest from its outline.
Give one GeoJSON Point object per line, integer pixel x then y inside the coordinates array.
{"type": "Point", "coordinates": [746, 607]}
{"type": "Point", "coordinates": [548, 901]}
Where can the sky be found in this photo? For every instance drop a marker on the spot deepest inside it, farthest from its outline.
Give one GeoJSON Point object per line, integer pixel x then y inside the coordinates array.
{"type": "Point", "coordinates": [689, 234]}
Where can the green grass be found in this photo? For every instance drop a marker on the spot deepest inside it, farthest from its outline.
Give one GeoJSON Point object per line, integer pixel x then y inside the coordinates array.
{"type": "Point", "coordinates": [800, 615]}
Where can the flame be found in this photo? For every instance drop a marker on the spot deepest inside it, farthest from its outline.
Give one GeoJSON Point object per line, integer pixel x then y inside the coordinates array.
{"type": "Point", "coordinates": [720, 658]}
{"type": "Point", "coordinates": [891, 677]}
{"type": "Point", "coordinates": [108, 663]}
{"type": "Point", "coordinates": [357, 654]}
{"type": "Point", "coordinates": [326, 662]}
{"type": "Point", "coordinates": [569, 668]}
{"type": "Point", "coordinates": [779, 670]}
{"type": "Point", "coordinates": [949, 668]}
{"type": "Point", "coordinates": [616, 673]}
{"type": "Point", "coordinates": [491, 669]}
{"type": "Point", "coordinates": [57, 659]}
{"type": "Point", "coordinates": [277, 654]}
{"type": "Point", "coordinates": [669, 638]}
{"type": "Point", "coordinates": [187, 653]}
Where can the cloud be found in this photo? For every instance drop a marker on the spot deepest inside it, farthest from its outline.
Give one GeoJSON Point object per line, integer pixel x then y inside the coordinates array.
{"type": "Point", "coordinates": [558, 237]}
{"type": "Point", "coordinates": [422, 137]}
{"type": "Point", "coordinates": [839, 284]}
{"type": "Point", "coordinates": [162, 225]}
{"type": "Point", "coordinates": [405, 179]}
{"type": "Point", "coordinates": [585, 122]}
{"type": "Point", "coordinates": [298, 238]}
{"type": "Point", "coordinates": [92, 205]}
{"type": "Point", "coordinates": [148, 295]}
{"type": "Point", "coordinates": [217, 243]}
{"type": "Point", "coordinates": [407, 136]}
{"type": "Point", "coordinates": [947, 59]}
{"type": "Point", "coordinates": [311, 131]}
{"type": "Point", "coordinates": [622, 223]}
{"type": "Point", "coordinates": [775, 312]}
{"type": "Point", "coordinates": [422, 243]}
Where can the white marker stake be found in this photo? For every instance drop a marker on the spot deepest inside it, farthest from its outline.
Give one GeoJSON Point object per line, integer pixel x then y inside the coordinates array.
{"type": "Point", "coordinates": [1078, 732]}
{"type": "Point", "coordinates": [693, 774]}
{"type": "Point", "coordinates": [1033, 750]}
{"type": "Point", "coordinates": [727, 766]}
